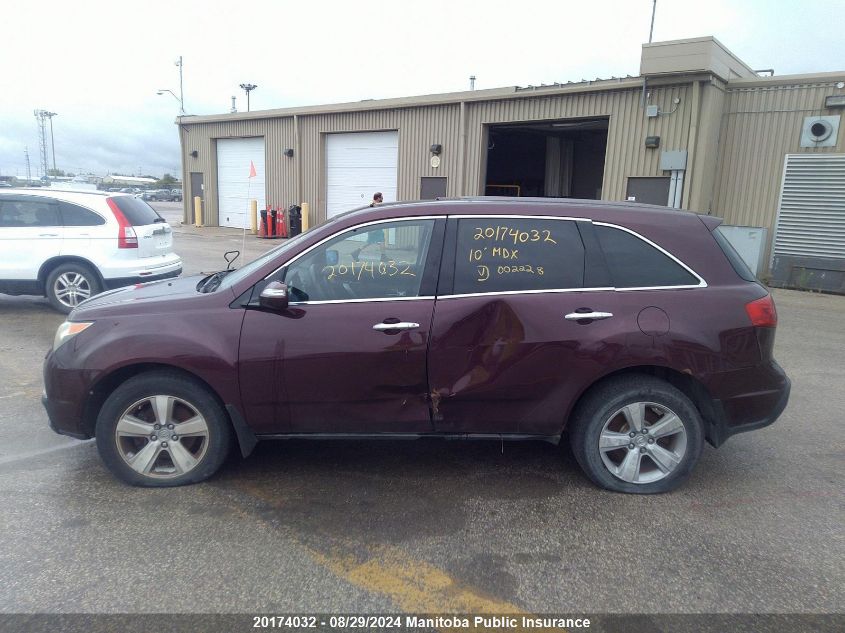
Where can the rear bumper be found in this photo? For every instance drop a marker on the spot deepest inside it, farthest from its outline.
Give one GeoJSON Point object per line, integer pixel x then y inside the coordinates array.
{"type": "Point", "coordinates": [120, 282]}
{"type": "Point", "coordinates": [753, 399]}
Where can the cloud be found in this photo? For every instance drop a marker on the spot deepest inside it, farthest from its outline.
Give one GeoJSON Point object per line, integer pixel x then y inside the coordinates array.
{"type": "Point", "coordinates": [99, 66]}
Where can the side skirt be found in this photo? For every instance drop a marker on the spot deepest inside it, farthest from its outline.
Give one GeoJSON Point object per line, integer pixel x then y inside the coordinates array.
{"type": "Point", "coordinates": [499, 437]}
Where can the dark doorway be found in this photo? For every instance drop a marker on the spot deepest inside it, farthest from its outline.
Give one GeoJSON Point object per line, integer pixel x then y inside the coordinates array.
{"type": "Point", "coordinates": [556, 159]}
{"type": "Point", "coordinates": [432, 187]}
{"type": "Point", "coordinates": [648, 190]}
{"type": "Point", "coordinates": [197, 189]}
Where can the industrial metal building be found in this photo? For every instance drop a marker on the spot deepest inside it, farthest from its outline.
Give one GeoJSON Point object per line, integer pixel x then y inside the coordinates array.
{"type": "Point", "coordinates": [698, 129]}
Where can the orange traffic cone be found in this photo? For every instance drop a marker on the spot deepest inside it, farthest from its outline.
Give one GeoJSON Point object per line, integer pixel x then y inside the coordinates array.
{"type": "Point", "coordinates": [282, 226]}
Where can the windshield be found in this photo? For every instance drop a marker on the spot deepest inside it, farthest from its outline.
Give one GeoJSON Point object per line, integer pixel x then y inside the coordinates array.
{"type": "Point", "coordinates": [236, 275]}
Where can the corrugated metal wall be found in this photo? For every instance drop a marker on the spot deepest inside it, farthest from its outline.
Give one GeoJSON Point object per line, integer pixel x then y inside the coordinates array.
{"type": "Point", "coordinates": [280, 177]}
{"type": "Point", "coordinates": [420, 127]}
{"type": "Point", "coordinates": [760, 126]}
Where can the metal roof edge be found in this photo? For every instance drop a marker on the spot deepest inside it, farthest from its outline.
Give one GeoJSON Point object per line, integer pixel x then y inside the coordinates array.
{"type": "Point", "coordinates": [783, 80]}
{"type": "Point", "coordinates": [448, 98]}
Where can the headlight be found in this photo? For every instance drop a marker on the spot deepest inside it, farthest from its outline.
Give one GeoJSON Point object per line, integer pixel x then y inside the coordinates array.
{"type": "Point", "coordinates": [68, 330]}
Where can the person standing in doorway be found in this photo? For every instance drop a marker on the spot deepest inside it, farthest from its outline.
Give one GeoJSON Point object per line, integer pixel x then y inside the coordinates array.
{"type": "Point", "coordinates": [375, 237]}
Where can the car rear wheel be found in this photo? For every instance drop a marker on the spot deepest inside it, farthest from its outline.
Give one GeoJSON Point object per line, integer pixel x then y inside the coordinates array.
{"type": "Point", "coordinates": [637, 434]}
{"type": "Point", "coordinates": [162, 429]}
{"type": "Point", "coordinates": [69, 285]}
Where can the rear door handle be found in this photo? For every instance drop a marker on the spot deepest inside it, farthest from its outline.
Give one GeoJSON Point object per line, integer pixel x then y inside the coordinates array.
{"type": "Point", "coordinates": [48, 235]}
{"type": "Point", "coordinates": [595, 316]}
{"type": "Point", "coordinates": [381, 327]}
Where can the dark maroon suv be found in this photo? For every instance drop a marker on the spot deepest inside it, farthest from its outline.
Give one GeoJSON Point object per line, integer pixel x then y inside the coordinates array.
{"type": "Point", "coordinates": [637, 332]}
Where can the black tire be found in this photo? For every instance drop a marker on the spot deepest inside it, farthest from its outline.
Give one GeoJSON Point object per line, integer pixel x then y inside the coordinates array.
{"type": "Point", "coordinates": [182, 388]}
{"type": "Point", "coordinates": [599, 407]}
{"type": "Point", "coordinates": [88, 284]}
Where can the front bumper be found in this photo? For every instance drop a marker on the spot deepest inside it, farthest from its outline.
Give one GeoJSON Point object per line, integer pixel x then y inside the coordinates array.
{"type": "Point", "coordinates": [62, 418]}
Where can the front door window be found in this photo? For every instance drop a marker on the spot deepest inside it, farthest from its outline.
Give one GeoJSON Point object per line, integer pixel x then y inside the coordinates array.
{"type": "Point", "coordinates": [377, 261]}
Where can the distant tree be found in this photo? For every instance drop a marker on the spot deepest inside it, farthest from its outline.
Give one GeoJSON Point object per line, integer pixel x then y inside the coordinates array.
{"type": "Point", "coordinates": [55, 172]}
{"type": "Point", "coordinates": [166, 182]}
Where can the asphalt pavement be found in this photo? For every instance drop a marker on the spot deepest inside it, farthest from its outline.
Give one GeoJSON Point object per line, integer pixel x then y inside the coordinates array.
{"type": "Point", "coordinates": [425, 526]}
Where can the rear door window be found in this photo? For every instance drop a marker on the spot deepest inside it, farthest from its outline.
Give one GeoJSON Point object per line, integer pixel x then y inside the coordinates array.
{"type": "Point", "coordinates": [634, 263]}
{"type": "Point", "coordinates": [136, 211]}
{"type": "Point", "coordinates": [502, 254]}
{"type": "Point", "coordinates": [74, 215]}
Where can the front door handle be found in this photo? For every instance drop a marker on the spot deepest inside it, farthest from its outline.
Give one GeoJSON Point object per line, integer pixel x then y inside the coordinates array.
{"type": "Point", "coordinates": [48, 235]}
{"type": "Point", "coordinates": [595, 316]}
{"type": "Point", "coordinates": [382, 327]}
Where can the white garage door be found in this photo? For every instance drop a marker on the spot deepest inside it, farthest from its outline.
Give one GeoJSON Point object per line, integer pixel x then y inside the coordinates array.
{"type": "Point", "coordinates": [234, 186]}
{"type": "Point", "coordinates": [358, 165]}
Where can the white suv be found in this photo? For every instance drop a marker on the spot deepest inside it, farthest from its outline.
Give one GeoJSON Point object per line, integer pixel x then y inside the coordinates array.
{"type": "Point", "coordinates": [71, 245]}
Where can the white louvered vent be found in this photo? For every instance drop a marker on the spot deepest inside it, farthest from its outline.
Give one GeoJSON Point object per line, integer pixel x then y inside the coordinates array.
{"type": "Point", "coordinates": [811, 217]}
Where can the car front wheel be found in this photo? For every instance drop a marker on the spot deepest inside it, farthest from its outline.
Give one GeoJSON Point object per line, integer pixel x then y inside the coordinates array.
{"type": "Point", "coordinates": [162, 429]}
{"type": "Point", "coordinates": [637, 434]}
{"type": "Point", "coordinates": [69, 285]}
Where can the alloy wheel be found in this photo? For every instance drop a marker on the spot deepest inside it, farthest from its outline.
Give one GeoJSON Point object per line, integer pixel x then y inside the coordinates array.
{"type": "Point", "coordinates": [71, 289]}
{"type": "Point", "coordinates": [643, 442]}
{"type": "Point", "coordinates": [162, 436]}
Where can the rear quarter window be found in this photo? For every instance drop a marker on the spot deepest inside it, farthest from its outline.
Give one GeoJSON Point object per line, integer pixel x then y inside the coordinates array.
{"type": "Point", "coordinates": [136, 211]}
{"type": "Point", "coordinates": [634, 263]}
{"type": "Point", "coordinates": [74, 215]}
{"type": "Point", "coordinates": [734, 258]}
{"type": "Point", "coordinates": [515, 254]}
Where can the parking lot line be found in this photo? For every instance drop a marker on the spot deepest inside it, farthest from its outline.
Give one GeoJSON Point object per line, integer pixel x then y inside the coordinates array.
{"type": "Point", "coordinates": [416, 586]}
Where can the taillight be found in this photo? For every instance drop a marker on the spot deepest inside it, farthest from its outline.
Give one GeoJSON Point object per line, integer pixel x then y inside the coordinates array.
{"type": "Point", "coordinates": [762, 312]}
{"type": "Point", "coordinates": [126, 237]}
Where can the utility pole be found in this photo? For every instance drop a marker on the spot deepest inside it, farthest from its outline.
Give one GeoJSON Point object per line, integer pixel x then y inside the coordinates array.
{"type": "Point", "coordinates": [653, 11]}
{"type": "Point", "coordinates": [50, 116]}
{"type": "Point", "coordinates": [247, 88]}
{"type": "Point", "coordinates": [472, 82]}
{"type": "Point", "coordinates": [28, 169]}
{"type": "Point", "coordinates": [40, 116]}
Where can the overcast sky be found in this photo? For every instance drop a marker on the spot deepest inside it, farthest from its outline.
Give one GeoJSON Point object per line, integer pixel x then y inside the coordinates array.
{"type": "Point", "coordinates": [99, 64]}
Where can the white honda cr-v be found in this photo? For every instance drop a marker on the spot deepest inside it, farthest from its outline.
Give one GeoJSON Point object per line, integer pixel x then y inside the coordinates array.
{"type": "Point", "coordinates": [71, 245]}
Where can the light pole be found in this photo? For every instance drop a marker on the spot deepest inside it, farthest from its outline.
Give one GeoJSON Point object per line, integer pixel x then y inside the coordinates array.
{"type": "Point", "coordinates": [181, 93]}
{"type": "Point", "coordinates": [247, 88]}
{"type": "Point", "coordinates": [50, 116]}
{"type": "Point", "coordinates": [161, 91]}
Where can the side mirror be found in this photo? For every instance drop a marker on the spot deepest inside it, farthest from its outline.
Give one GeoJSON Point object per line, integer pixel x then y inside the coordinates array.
{"type": "Point", "coordinates": [332, 257]}
{"type": "Point", "coordinates": [274, 296]}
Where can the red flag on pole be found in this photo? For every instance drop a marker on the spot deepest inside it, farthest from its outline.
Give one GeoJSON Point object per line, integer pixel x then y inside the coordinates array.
{"type": "Point", "coordinates": [252, 173]}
